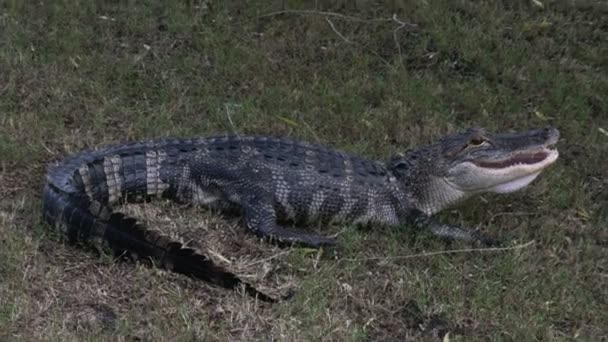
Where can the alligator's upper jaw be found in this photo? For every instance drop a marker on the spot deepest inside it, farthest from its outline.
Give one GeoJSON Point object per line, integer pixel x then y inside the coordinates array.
{"type": "Point", "coordinates": [527, 158]}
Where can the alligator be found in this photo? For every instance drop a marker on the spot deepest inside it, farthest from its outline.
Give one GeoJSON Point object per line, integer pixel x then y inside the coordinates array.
{"type": "Point", "coordinates": [276, 183]}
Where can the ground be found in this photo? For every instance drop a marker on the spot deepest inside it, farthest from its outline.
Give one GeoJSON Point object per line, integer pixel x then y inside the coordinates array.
{"type": "Point", "coordinates": [372, 78]}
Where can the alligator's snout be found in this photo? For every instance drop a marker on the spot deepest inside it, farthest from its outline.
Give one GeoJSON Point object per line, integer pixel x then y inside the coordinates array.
{"type": "Point", "coordinates": [547, 137]}
{"type": "Point", "coordinates": [551, 136]}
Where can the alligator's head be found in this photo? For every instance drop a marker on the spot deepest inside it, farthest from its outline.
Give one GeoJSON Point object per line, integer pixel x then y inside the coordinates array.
{"type": "Point", "coordinates": [472, 162]}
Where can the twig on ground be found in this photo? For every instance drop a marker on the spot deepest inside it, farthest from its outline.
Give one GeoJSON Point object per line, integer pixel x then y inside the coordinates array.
{"type": "Point", "coordinates": [230, 120]}
{"type": "Point", "coordinates": [506, 213]}
{"type": "Point", "coordinates": [219, 256]}
{"type": "Point", "coordinates": [331, 14]}
{"type": "Point", "coordinates": [340, 16]}
{"type": "Point", "coordinates": [453, 251]}
{"type": "Point", "coordinates": [394, 18]}
{"type": "Point", "coordinates": [337, 32]}
{"type": "Point", "coordinates": [274, 256]}
{"type": "Point", "coordinates": [331, 24]}
{"type": "Point", "coordinates": [402, 24]}
{"type": "Point", "coordinates": [48, 149]}
{"type": "Point", "coordinates": [311, 131]}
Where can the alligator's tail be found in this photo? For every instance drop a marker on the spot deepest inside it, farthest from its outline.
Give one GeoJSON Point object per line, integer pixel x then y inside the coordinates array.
{"type": "Point", "coordinates": [80, 218]}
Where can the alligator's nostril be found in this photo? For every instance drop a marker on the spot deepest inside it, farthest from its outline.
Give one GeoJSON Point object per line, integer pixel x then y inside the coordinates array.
{"type": "Point", "coordinates": [551, 133]}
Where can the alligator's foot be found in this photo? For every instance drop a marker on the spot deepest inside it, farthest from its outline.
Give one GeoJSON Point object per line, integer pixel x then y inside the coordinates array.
{"type": "Point", "coordinates": [485, 240]}
{"type": "Point", "coordinates": [253, 292]}
{"type": "Point", "coordinates": [447, 231]}
{"type": "Point", "coordinates": [292, 237]}
{"type": "Point", "coordinates": [451, 232]}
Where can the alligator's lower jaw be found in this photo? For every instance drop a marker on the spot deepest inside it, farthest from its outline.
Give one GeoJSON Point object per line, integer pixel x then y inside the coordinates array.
{"type": "Point", "coordinates": [515, 184]}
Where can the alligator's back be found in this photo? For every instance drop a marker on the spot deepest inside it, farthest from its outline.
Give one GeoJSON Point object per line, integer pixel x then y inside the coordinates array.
{"type": "Point", "coordinates": [307, 181]}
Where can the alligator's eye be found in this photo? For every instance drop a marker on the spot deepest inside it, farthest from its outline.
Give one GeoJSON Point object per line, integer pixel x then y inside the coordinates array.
{"type": "Point", "coordinates": [477, 140]}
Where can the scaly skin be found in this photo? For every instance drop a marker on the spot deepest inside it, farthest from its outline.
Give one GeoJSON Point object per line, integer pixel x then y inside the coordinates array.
{"type": "Point", "coordinates": [277, 180]}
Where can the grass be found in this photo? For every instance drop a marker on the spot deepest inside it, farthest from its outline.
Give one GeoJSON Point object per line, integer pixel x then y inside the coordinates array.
{"type": "Point", "coordinates": [77, 74]}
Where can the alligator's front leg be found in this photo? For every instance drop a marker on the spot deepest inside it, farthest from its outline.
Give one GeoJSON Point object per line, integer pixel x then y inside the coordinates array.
{"type": "Point", "coordinates": [446, 231]}
{"type": "Point", "coordinates": [260, 217]}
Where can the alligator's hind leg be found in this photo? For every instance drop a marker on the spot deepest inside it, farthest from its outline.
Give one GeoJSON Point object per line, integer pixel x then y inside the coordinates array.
{"type": "Point", "coordinates": [260, 217]}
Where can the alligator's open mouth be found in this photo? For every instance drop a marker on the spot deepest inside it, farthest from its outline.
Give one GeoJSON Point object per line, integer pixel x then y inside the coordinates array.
{"type": "Point", "coordinates": [503, 175]}
{"type": "Point", "coordinates": [547, 153]}
{"type": "Point", "coordinates": [518, 159]}
{"type": "Point", "coordinates": [519, 169]}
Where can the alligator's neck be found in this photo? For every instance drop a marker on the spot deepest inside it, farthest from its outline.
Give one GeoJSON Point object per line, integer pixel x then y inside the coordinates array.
{"type": "Point", "coordinates": [429, 193]}
{"type": "Point", "coordinates": [437, 195]}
